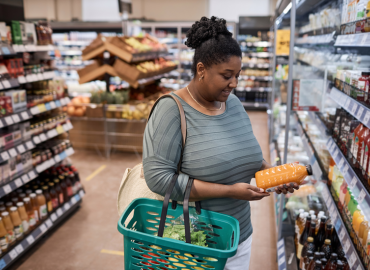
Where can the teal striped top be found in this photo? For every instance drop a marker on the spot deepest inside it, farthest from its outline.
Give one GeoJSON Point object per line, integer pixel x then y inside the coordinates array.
{"type": "Point", "coordinates": [220, 149]}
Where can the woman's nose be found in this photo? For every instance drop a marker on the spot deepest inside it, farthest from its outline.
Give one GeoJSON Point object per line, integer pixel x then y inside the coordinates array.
{"type": "Point", "coordinates": [234, 83]}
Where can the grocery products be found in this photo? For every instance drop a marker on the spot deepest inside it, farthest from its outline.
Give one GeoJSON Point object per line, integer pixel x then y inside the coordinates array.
{"type": "Point", "coordinates": [177, 232]}
{"type": "Point", "coordinates": [284, 174]}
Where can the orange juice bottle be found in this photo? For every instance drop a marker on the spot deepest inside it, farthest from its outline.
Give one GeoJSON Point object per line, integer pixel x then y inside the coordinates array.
{"type": "Point", "coordinates": [331, 170]}
{"type": "Point", "coordinates": [284, 174]}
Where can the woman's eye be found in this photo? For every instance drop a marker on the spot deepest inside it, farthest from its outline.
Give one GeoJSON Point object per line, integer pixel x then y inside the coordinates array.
{"type": "Point", "coordinates": [227, 78]}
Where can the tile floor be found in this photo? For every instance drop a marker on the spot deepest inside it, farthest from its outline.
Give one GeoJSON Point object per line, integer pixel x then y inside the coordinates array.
{"type": "Point", "coordinates": [77, 244]}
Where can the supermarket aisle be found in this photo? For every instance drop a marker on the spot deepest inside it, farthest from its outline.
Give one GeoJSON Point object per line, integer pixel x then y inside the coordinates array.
{"type": "Point", "coordinates": [90, 240]}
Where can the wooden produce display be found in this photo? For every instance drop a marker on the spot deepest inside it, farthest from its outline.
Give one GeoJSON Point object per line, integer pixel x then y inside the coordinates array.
{"type": "Point", "coordinates": [95, 71]}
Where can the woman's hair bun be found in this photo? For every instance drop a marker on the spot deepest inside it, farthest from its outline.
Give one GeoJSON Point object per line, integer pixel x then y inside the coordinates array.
{"type": "Point", "coordinates": [204, 30]}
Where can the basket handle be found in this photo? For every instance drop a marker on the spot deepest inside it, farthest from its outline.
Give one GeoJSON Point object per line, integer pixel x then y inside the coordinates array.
{"type": "Point", "coordinates": [185, 207]}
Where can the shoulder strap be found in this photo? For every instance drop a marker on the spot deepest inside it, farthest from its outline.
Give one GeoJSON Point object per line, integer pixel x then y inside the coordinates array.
{"type": "Point", "coordinates": [182, 120]}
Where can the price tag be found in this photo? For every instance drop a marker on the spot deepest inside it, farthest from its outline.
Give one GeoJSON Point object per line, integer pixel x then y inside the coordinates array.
{"type": "Point", "coordinates": [346, 104]}
{"type": "Point", "coordinates": [346, 246]}
{"type": "Point", "coordinates": [332, 147]}
{"type": "Point", "coordinates": [32, 175]}
{"type": "Point", "coordinates": [341, 234]}
{"type": "Point", "coordinates": [69, 151]}
{"type": "Point", "coordinates": [69, 124]}
{"type": "Point", "coordinates": [30, 145]}
{"type": "Point", "coordinates": [25, 178]}
{"type": "Point", "coordinates": [47, 106]}
{"type": "Point", "coordinates": [16, 118]}
{"type": "Point", "coordinates": [22, 79]}
{"type": "Point", "coordinates": [65, 127]}
{"type": "Point", "coordinates": [67, 206]}
{"type": "Point", "coordinates": [82, 193]}
{"type": "Point", "coordinates": [1, 124]}
{"type": "Point", "coordinates": [13, 254]}
{"type": "Point", "coordinates": [73, 200]}
{"type": "Point", "coordinates": [345, 169]}
{"type": "Point", "coordinates": [52, 105]}
{"type": "Point", "coordinates": [29, 78]}
{"type": "Point", "coordinates": [42, 108]}
{"type": "Point", "coordinates": [59, 212]}
{"type": "Point", "coordinates": [35, 110]}
{"type": "Point", "coordinates": [57, 102]}
{"type": "Point", "coordinates": [363, 39]}
{"type": "Point", "coordinates": [19, 248]}
{"type": "Point", "coordinates": [354, 108]}
{"type": "Point", "coordinates": [340, 164]}
{"type": "Point", "coordinates": [18, 182]}
{"type": "Point", "coordinates": [335, 154]}
{"type": "Point", "coordinates": [352, 259]}
{"type": "Point", "coordinates": [1, 86]}
{"type": "Point", "coordinates": [43, 228]}
{"type": "Point", "coordinates": [4, 155]}
{"type": "Point", "coordinates": [367, 118]}
{"type": "Point", "coordinates": [8, 120]}
{"type": "Point", "coordinates": [36, 139]}
{"type": "Point", "coordinates": [361, 196]}
{"type": "Point", "coordinates": [21, 149]}
{"type": "Point", "coordinates": [49, 223]}
{"type": "Point", "coordinates": [281, 260]}
{"type": "Point", "coordinates": [43, 137]}
{"type": "Point", "coordinates": [359, 267]}
{"type": "Point", "coordinates": [330, 144]}
{"type": "Point", "coordinates": [353, 182]}
{"type": "Point", "coordinates": [53, 217]}
{"type": "Point", "coordinates": [359, 113]}
{"type": "Point", "coordinates": [25, 115]}
{"type": "Point", "coordinates": [52, 133]}
{"type": "Point", "coordinates": [7, 189]}
{"type": "Point", "coordinates": [6, 84]}
{"type": "Point", "coordinates": [30, 239]}
{"type": "Point", "coordinates": [13, 152]}
{"type": "Point", "coordinates": [62, 101]}
{"type": "Point", "coordinates": [51, 162]}
{"type": "Point", "coordinates": [334, 216]}
{"type": "Point", "coordinates": [332, 208]}
{"type": "Point", "coordinates": [57, 158]}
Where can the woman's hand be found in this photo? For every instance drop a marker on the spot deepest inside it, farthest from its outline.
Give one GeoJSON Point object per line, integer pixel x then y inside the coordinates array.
{"type": "Point", "coordinates": [287, 188]}
{"type": "Point", "coordinates": [247, 192]}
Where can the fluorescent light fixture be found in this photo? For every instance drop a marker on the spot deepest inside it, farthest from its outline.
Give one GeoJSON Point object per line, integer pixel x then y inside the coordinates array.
{"type": "Point", "coordinates": [288, 7]}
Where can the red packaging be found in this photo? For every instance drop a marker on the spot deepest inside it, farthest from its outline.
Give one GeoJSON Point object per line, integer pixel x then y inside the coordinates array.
{"type": "Point", "coordinates": [5, 106]}
{"type": "Point", "coordinates": [20, 66]}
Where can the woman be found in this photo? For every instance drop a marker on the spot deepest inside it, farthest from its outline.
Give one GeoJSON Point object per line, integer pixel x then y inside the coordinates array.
{"type": "Point", "coordinates": [221, 151]}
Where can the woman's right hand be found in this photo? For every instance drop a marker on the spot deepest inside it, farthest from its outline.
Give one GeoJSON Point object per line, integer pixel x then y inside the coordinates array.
{"type": "Point", "coordinates": [247, 192]}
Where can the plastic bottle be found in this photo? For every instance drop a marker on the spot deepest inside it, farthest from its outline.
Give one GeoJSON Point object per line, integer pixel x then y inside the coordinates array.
{"type": "Point", "coordinates": [17, 223]}
{"type": "Point", "coordinates": [3, 237]}
{"type": "Point", "coordinates": [30, 213]}
{"type": "Point", "coordinates": [316, 257]}
{"type": "Point", "coordinates": [364, 224]}
{"type": "Point", "coordinates": [298, 220]}
{"type": "Point", "coordinates": [70, 185]}
{"type": "Point", "coordinates": [320, 237]}
{"type": "Point", "coordinates": [331, 169]}
{"type": "Point", "coordinates": [306, 260]}
{"type": "Point", "coordinates": [35, 206]}
{"type": "Point", "coordinates": [284, 174]}
{"type": "Point", "coordinates": [8, 205]}
{"type": "Point", "coordinates": [309, 245]}
{"type": "Point", "coordinates": [41, 203]}
{"type": "Point", "coordinates": [305, 232]}
{"type": "Point", "coordinates": [9, 227]}
{"type": "Point", "coordinates": [59, 191]}
{"type": "Point", "coordinates": [63, 186]}
{"type": "Point", "coordinates": [312, 231]}
{"type": "Point", "coordinates": [332, 262]}
{"type": "Point", "coordinates": [24, 217]}
{"type": "Point", "coordinates": [47, 196]}
{"type": "Point", "coordinates": [326, 248]}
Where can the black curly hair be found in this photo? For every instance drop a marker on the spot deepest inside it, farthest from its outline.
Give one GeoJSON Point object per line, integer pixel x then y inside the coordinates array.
{"type": "Point", "coordinates": [212, 42]}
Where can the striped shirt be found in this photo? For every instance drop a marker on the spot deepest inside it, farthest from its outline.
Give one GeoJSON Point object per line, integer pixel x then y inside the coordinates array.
{"type": "Point", "coordinates": [220, 149]}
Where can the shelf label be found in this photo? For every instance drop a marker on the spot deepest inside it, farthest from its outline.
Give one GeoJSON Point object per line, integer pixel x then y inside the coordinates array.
{"type": "Point", "coordinates": [7, 189]}
{"type": "Point", "coordinates": [73, 200]}
{"type": "Point", "coordinates": [1, 124]}
{"type": "Point", "coordinates": [4, 155]}
{"type": "Point", "coordinates": [62, 101]}
{"type": "Point", "coordinates": [13, 254]}
{"type": "Point", "coordinates": [52, 104]}
{"type": "Point", "coordinates": [60, 129]}
{"type": "Point", "coordinates": [69, 151]}
{"type": "Point", "coordinates": [335, 154]}
{"type": "Point", "coordinates": [361, 196]}
{"type": "Point", "coordinates": [12, 152]}
{"type": "Point", "coordinates": [47, 106]}
{"type": "Point", "coordinates": [18, 182]}
{"type": "Point", "coordinates": [21, 149]}
{"type": "Point", "coordinates": [359, 113]}
{"type": "Point", "coordinates": [36, 139]}
{"type": "Point", "coordinates": [25, 115]}
{"type": "Point", "coordinates": [16, 118]}
{"type": "Point", "coordinates": [43, 228]}
{"type": "Point", "coordinates": [82, 193]}
{"type": "Point", "coordinates": [353, 182]}
{"type": "Point", "coordinates": [59, 212]}
{"type": "Point", "coordinates": [346, 246]}
{"type": "Point", "coordinates": [30, 239]}
{"type": "Point", "coordinates": [345, 169]}
{"type": "Point", "coordinates": [8, 120]}
{"type": "Point", "coordinates": [367, 118]}
{"type": "Point", "coordinates": [342, 233]}
{"type": "Point", "coordinates": [281, 260]}
{"type": "Point", "coordinates": [57, 158]}
{"type": "Point", "coordinates": [67, 206]}
{"type": "Point", "coordinates": [49, 223]}
{"type": "Point", "coordinates": [19, 248]}
{"type": "Point", "coordinates": [32, 175]}
{"type": "Point", "coordinates": [354, 108]}
{"type": "Point", "coordinates": [57, 102]}
{"type": "Point", "coordinates": [35, 110]}
{"type": "Point", "coordinates": [30, 145]}
{"type": "Point", "coordinates": [334, 216]}
{"type": "Point", "coordinates": [25, 178]}
{"type": "Point", "coordinates": [22, 79]}
{"type": "Point", "coordinates": [53, 217]}
{"type": "Point", "coordinates": [6, 84]}
{"type": "Point", "coordinates": [352, 259]}
{"type": "Point", "coordinates": [52, 133]}
{"type": "Point", "coordinates": [346, 104]}
{"type": "Point", "coordinates": [43, 137]}
{"type": "Point", "coordinates": [340, 164]}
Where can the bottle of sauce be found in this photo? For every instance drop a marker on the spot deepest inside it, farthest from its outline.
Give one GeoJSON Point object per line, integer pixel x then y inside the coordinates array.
{"type": "Point", "coordinates": [41, 203]}
{"type": "Point", "coordinates": [63, 186]}
{"type": "Point", "coordinates": [59, 191]}
{"type": "Point", "coordinates": [2, 209]}
{"type": "Point", "coordinates": [312, 229]}
{"type": "Point", "coordinates": [14, 201]}
{"type": "Point", "coordinates": [8, 205]}
{"type": "Point", "coordinates": [326, 248]}
{"type": "Point", "coordinates": [317, 266]}
{"type": "Point", "coordinates": [304, 235]}
{"type": "Point", "coordinates": [35, 206]}
{"type": "Point", "coordinates": [17, 223]}
{"type": "Point", "coordinates": [21, 196]}
{"type": "Point", "coordinates": [49, 203]}
{"type": "Point", "coordinates": [332, 262]}
{"type": "Point", "coordinates": [28, 192]}
{"type": "Point", "coordinates": [24, 217]}
{"type": "Point", "coordinates": [3, 237]}
{"type": "Point", "coordinates": [9, 227]}
{"type": "Point", "coordinates": [324, 261]}
{"type": "Point", "coordinates": [284, 174]}
{"type": "Point", "coordinates": [69, 186]}
{"type": "Point", "coordinates": [53, 196]}
{"type": "Point", "coordinates": [320, 237]}
{"type": "Point", "coordinates": [339, 265]}
{"type": "Point", "coordinates": [316, 257]}
{"type": "Point", "coordinates": [32, 219]}
{"type": "Point", "coordinates": [309, 245]}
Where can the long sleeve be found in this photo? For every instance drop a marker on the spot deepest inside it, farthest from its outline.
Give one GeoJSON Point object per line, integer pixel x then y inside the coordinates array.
{"type": "Point", "coordinates": [162, 150]}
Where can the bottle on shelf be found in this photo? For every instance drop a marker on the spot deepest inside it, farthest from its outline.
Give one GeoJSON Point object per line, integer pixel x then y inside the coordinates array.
{"type": "Point", "coordinates": [317, 266]}
{"type": "Point", "coordinates": [49, 204]}
{"type": "Point", "coordinates": [8, 205]}
{"type": "Point", "coordinates": [332, 262]}
{"type": "Point", "coordinates": [312, 231]}
{"type": "Point", "coordinates": [53, 196]}
{"type": "Point", "coordinates": [32, 219]}
{"type": "Point", "coordinates": [9, 228]}
{"type": "Point", "coordinates": [316, 257]}
{"type": "Point", "coordinates": [35, 207]}
{"type": "Point", "coordinates": [320, 237]}
{"type": "Point", "coordinates": [41, 204]}
{"type": "Point", "coordinates": [326, 248]}
{"type": "Point", "coordinates": [69, 186]}
{"type": "Point", "coordinates": [304, 235]}
{"type": "Point", "coordinates": [24, 217]}
{"type": "Point", "coordinates": [59, 191]}
{"type": "Point", "coordinates": [63, 186]}
{"type": "Point", "coordinates": [3, 237]}
{"type": "Point", "coordinates": [306, 259]}
{"type": "Point", "coordinates": [324, 261]}
{"type": "Point", "coordinates": [308, 246]}
{"type": "Point", "coordinates": [17, 223]}
{"type": "Point", "coordinates": [358, 146]}
{"type": "Point", "coordinates": [339, 265]}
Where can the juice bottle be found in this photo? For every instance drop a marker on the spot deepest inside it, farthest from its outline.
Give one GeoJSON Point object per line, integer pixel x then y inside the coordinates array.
{"type": "Point", "coordinates": [8, 205]}
{"type": "Point", "coordinates": [356, 224]}
{"type": "Point", "coordinates": [312, 231]}
{"type": "Point", "coordinates": [326, 248]}
{"type": "Point", "coordinates": [301, 226]}
{"type": "Point", "coordinates": [306, 230]}
{"type": "Point", "coordinates": [335, 242]}
{"type": "Point", "coordinates": [24, 217]}
{"type": "Point", "coordinates": [35, 206]}
{"type": "Point", "coordinates": [31, 213]}
{"type": "Point", "coordinates": [331, 169]}
{"type": "Point", "coordinates": [41, 204]}
{"type": "Point", "coordinates": [49, 203]}
{"type": "Point", "coordinates": [21, 196]}
{"type": "Point", "coordinates": [9, 227]}
{"type": "Point", "coordinates": [316, 258]}
{"type": "Point", "coordinates": [357, 147]}
{"type": "Point", "coordinates": [309, 245]}
{"type": "Point", "coordinates": [296, 227]}
{"type": "Point", "coordinates": [70, 186]}
{"type": "Point", "coordinates": [320, 237]}
{"type": "Point", "coordinates": [14, 200]}
{"type": "Point", "coordinates": [63, 186]}
{"type": "Point", "coordinates": [343, 194]}
{"type": "Point", "coordinates": [317, 266]}
{"type": "Point", "coordinates": [365, 159]}
{"type": "Point", "coordinates": [53, 196]}
{"type": "Point", "coordinates": [284, 174]}
{"type": "Point", "coordinates": [364, 224]}
{"type": "Point", "coordinates": [3, 237]}
{"type": "Point", "coordinates": [59, 191]}
{"type": "Point", "coordinates": [332, 262]}
{"type": "Point", "coordinates": [17, 223]}
{"type": "Point", "coordinates": [328, 231]}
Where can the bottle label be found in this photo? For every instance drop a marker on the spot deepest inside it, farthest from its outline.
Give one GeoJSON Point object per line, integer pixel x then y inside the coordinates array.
{"type": "Point", "coordinates": [61, 198]}
{"type": "Point", "coordinates": [26, 226]}
{"type": "Point", "coordinates": [69, 191]}
{"type": "Point", "coordinates": [50, 206]}
{"type": "Point", "coordinates": [11, 236]}
{"type": "Point", "coordinates": [4, 243]}
{"type": "Point", "coordinates": [362, 152]}
{"type": "Point", "coordinates": [37, 218]}
{"type": "Point", "coordinates": [75, 188]}
{"type": "Point", "coordinates": [55, 203]}
{"type": "Point", "coordinates": [366, 156]}
{"type": "Point", "coordinates": [43, 211]}
{"type": "Point", "coordinates": [18, 231]}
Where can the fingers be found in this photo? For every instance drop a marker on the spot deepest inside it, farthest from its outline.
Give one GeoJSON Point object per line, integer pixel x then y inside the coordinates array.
{"type": "Point", "coordinates": [255, 189]}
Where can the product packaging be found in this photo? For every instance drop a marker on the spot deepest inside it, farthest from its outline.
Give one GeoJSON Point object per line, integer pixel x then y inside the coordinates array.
{"type": "Point", "coordinates": [19, 101]}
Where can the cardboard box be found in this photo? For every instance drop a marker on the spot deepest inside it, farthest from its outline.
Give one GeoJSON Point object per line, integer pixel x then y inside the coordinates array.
{"type": "Point", "coordinates": [19, 101]}
{"type": "Point", "coordinates": [6, 107]}
{"type": "Point", "coordinates": [16, 33]}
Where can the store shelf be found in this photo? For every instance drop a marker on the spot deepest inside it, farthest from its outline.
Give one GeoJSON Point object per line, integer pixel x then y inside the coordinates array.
{"type": "Point", "coordinates": [317, 121]}
{"type": "Point", "coordinates": [259, 54]}
{"type": "Point", "coordinates": [52, 133]}
{"type": "Point", "coordinates": [255, 65]}
{"type": "Point", "coordinates": [48, 75]}
{"type": "Point", "coordinates": [256, 78]}
{"type": "Point", "coordinates": [254, 105]}
{"type": "Point", "coordinates": [316, 40]}
{"type": "Point", "coordinates": [352, 106]}
{"type": "Point", "coordinates": [349, 248]}
{"type": "Point", "coordinates": [360, 193]}
{"type": "Point", "coordinates": [33, 48]}
{"type": "Point", "coordinates": [35, 236]}
{"type": "Point", "coordinates": [49, 105]}
{"type": "Point", "coordinates": [253, 89]}
{"type": "Point", "coordinates": [8, 84]}
{"type": "Point", "coordinates": [355, 40]}
{"type": "Point", "coordinates": [259, 44]}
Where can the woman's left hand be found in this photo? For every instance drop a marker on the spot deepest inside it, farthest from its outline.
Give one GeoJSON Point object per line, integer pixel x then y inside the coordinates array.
{"type": "Point", "coordinates": [287, 188]}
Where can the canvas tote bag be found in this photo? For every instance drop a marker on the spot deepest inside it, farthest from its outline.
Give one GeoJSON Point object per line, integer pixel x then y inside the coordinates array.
{"type": "Point", "coordinates": [133, 183]}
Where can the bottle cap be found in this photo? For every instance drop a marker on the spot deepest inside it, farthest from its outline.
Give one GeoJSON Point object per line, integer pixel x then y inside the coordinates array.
{"type": "Point", "coordinates": [313, 216]}
{"type": "Point", "coordinates": [301, 210]}
{"type": "Point", "coordinates": [39, 191]}
{"type": "Point", "coordinates": [4, 214]}
{"type": "Point", "coordinates": [323, 219]}
{"type": "Point", "coordinates": [26, 199]}
{"type": "Point", "coordinates": [317, 255]}
{"type": "Point", "coordinates": [306, 214]}
{"type": "Point", "coordinates": [312, 212]}
{"type": "Point", "coordinates": [14, 208]}
{"type": "Point", "coordinates": [2, 209]}
{"type": "Point", "coordinates": [301, 215]}
{"type": "Point", "coordinates": [327, 241]}
{"type": "Point", "coordinates": [20, 204]}
{"type": "Point", "coordinates": [309, 169]}
{"type": "Point", "coordinates": [334, 256]}
{"type": "Point", "coordinates": [9, 204]}
{"type": "Point", "coordinates": [318, 263]}
{"type": "Point", "coordinates": [32, 195]}
{"type": "Point", "coordinates": [310, 239]}
{"type": "Point", "coordinates": [313, 224]}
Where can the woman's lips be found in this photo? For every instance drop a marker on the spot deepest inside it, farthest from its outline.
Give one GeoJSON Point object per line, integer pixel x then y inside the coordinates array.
{"type": "Point", "coordinates": [226, 93]}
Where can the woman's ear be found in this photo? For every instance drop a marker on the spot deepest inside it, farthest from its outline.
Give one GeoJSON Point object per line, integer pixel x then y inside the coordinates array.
{"type": "Point", "coordinates": [200, 70]}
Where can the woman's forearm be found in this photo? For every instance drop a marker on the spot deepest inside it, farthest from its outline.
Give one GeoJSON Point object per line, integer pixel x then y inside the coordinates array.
{"type": "Point", "coordinates": [202, 190]}
{"type": "Point", "coordinates": [265, 165]}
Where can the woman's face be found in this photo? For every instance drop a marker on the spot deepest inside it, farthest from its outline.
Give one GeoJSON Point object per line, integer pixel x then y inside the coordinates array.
{"type": "Point", "coordinates": [219, 80]}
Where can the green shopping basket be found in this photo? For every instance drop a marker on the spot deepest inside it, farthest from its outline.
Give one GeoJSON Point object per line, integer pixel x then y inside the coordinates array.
{"type": "Point", "coordinates": [144, 250]}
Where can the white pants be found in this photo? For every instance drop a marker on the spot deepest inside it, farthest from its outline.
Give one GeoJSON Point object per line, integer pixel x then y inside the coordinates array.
{"type": "Point", "coordinates": [242, 258]}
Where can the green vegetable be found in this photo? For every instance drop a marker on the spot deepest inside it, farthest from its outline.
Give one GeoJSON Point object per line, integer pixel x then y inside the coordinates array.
{"type": "Point", "coordinates": [177, 232]}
